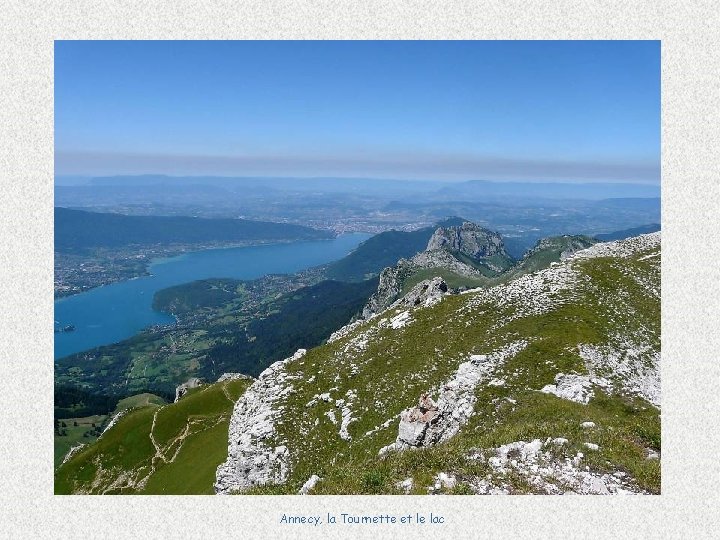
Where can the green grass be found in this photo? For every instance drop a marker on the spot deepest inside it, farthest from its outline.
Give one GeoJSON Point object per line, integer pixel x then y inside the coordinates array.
{"type": "Point", "coordinates": [138, 400]}
{"type": "Point", "coordinates": [193, 470]}
{"type": "Point", "coordinates": [453, 280]}
{"type": "Point", "coordinates": [484, 265]}
{"type": "Point", "coordinates": [398, 365]}
{"type": "Point", "coordinates": [74, 435]}
{"type": "Point", "coordinates": [191, 436]}
{"type": "Point", "coordinates": [125, 447]}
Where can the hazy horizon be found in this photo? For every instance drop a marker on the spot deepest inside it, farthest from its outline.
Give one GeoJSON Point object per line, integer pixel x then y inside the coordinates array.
{"type": "Point", "coordinates": [565, 111]}
{"type": "Point", "coordinates": [69, 179]}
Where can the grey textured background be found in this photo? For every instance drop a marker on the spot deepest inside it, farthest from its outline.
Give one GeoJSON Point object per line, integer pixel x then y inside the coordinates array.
{"type": "Point", "coordinates": [688, 507]}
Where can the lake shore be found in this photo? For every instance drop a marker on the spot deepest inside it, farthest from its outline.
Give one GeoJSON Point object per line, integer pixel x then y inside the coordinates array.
{"type": "Point", "coordinates": [114, 312]}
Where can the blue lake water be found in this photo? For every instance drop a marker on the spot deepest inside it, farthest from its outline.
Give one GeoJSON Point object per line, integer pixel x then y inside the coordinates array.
{"type": "Point", "coordinates": [115, 312]}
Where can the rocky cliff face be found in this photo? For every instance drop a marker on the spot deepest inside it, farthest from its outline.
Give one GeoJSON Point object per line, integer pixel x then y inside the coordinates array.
{"type": "Point", "coordinates": [426, 293]}
{"type": "Point", "coordinates": [484, 249]}
{"type": "Point", "coordinates": [441, 258]}
{"type": "Point", "coordinates": [546, 384]}
{"type": "Point", "coordinates": [255, 457]}
{"type": "Point", "coordinates": [469, 238]}
{"type": "Point", "coordinates": [389, 287]}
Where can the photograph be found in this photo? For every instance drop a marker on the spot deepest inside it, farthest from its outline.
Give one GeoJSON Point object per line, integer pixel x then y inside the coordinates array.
{"type": "Point", "coordinates": [356, 267]}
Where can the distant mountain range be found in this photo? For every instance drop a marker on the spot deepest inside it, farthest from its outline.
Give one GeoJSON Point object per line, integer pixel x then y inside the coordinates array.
{"type": "Point", "coordinates": [478, 189]}
{"type": "Point", "coordinates": [475, 189]}
{"type": "Point", "coordinates": [627, 233]}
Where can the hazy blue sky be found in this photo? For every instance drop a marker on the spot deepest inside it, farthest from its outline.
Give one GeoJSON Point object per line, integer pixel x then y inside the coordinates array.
{"type": "Point", "coordinates": [569, 111]}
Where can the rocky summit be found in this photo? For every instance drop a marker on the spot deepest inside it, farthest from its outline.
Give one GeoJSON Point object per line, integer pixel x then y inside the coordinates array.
{"type": "Point", "coordinates": [548, 383]}
{"type": "Point", "coordinates": [468, 253]}
{"type": "Point", "coordinates": [468, 238]}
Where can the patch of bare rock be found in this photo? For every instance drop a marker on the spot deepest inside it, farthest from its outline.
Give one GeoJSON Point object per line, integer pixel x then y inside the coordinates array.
{"type": "Point", "coordinates": [254, 456]}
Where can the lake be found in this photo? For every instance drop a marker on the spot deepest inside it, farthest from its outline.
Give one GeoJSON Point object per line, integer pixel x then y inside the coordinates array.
{"type": "Point", "coordinates": [115, 312]}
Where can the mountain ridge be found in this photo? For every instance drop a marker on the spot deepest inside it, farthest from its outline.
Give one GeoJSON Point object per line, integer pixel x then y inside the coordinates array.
{"type": "Point", "coordinates": [467, 256]}
{"type": "Point", "coordinates": [287, 450]}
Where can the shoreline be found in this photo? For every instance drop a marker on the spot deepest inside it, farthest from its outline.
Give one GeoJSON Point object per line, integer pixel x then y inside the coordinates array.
{"type": "Point", "coordinates": [174, 319]}
{"type": "Point", "coordinates": [162, 259]}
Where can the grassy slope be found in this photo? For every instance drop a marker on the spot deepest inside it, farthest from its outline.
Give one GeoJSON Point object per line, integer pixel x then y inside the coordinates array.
{"type": "Point", "coordinates": [390, 373]}
{"type": "Point", "coordinates": [548, 251]}
{"type": "Point", "coordinates": [483, 265]}
{"type": "Point", "coordinates": [84, 432]}
{"type": "Point", "coordinates": [137, 401]}
{"type": "Point", "coordinates": [453, 279]}
{"type": "Point", "coordinates": [398, 365]}
{"type": "Point", "coordinates": [75, 435]}
{"type": "Point", "coordinates": [191, 438]}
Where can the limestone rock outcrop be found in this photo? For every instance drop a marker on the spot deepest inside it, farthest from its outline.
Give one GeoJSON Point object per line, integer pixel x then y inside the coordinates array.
{"type": "Point", "coordinates": [389, 287]}
{"type": "Point", "coordinates": [232, 377]}
{"type": "Point", "coordinates": [426, 293]}
{"type": "Point", "coordinates": [182, 389]}
{"type": "Point", "coordinates": [467, 250]}
{"type": "Point", "coordinates": [469, 238]}
{"type": "Point", "coordinates": [433, 422]}
{"type": "Point", "coordinates": [255, 457]}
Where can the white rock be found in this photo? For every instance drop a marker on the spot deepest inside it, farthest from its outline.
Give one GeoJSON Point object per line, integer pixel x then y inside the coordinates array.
{"type": "Point", "coordinates": [181, 390]}
{"type": "Point", "coordinates": [446, 480]}
{"type": "Point", "coordinates": [232, 377]}
{"type": "Point", "coordinates": [632, 365]}
{"type": "Point", "coordinates": [386, 449]}
{"type": "Point", "coordinates": [400, 321]}
{"type": "Point", "coordinates": [250, 461]}
{"type": "Point", "coordinates": [547, 473]}
{"type": "Point", "coordinates": [592, 485]}
{"type": "Point", "coordinates": [311, 483]}
{"type": "Point", "coordinates": [74, 450]}
{"type": "Point", "coordinates": [456, 401]}
{"type": "Point", "coordinates": [577, 388]}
